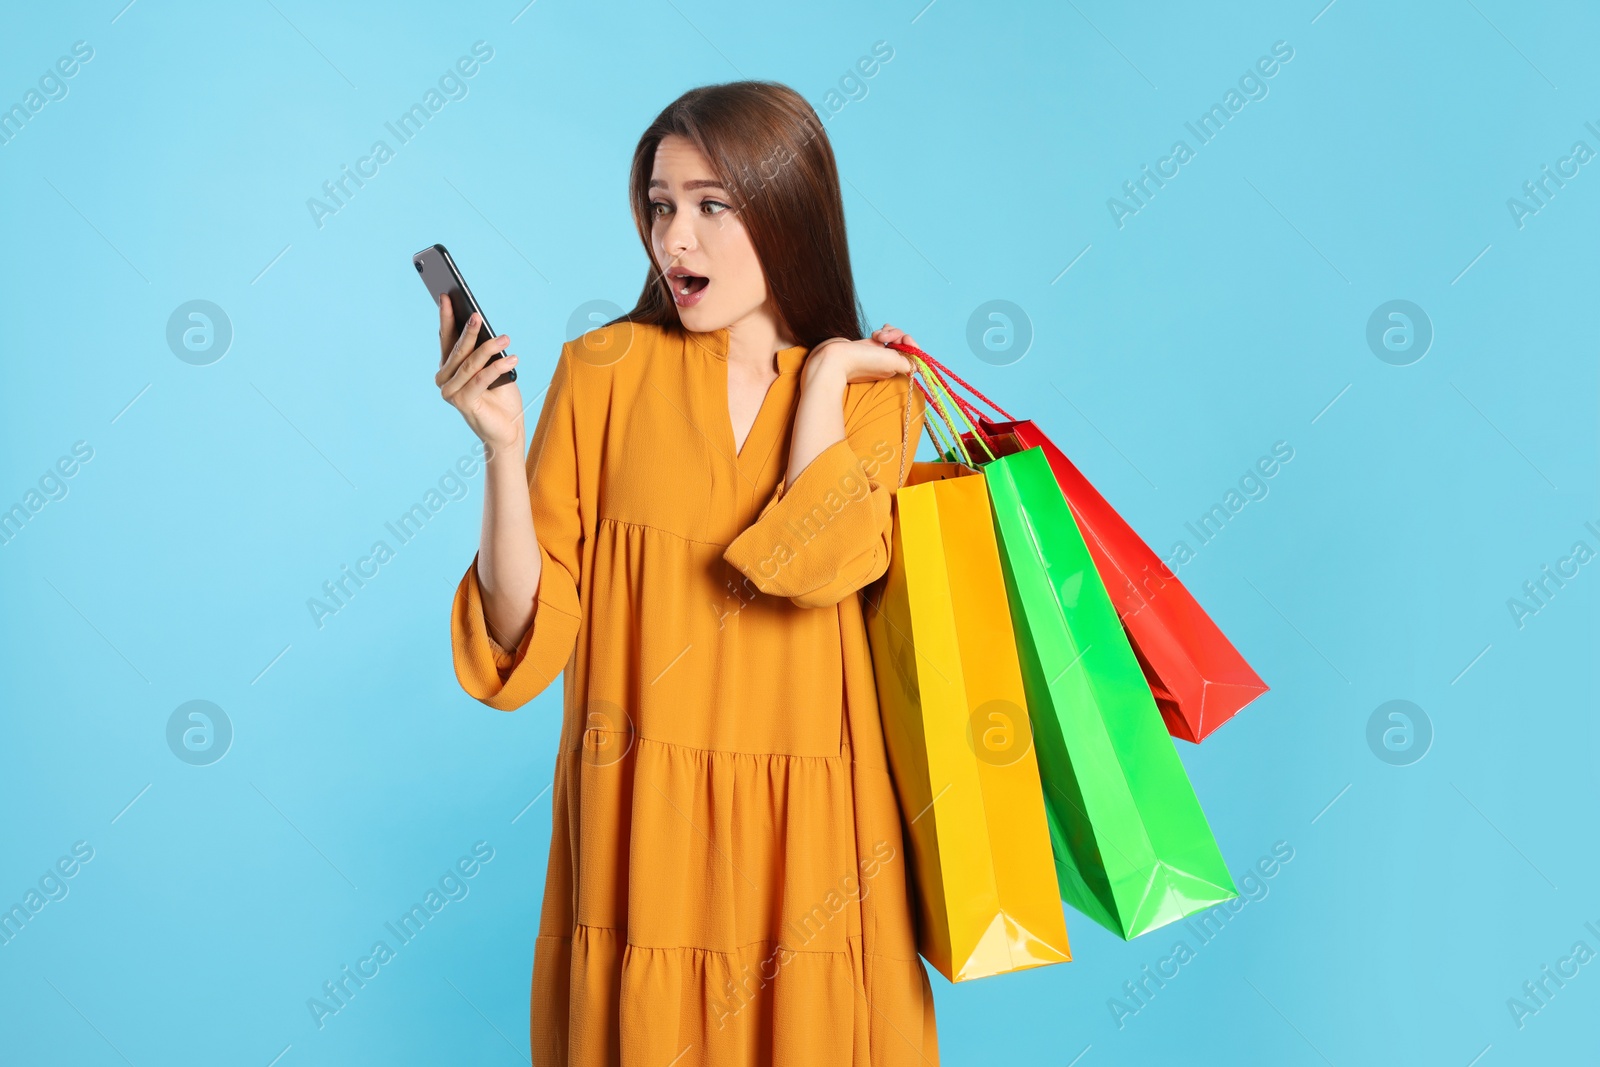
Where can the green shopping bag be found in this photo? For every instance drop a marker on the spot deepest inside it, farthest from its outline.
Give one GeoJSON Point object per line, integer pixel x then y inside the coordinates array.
{"type": "Point", "coordinates": [1133, 850]}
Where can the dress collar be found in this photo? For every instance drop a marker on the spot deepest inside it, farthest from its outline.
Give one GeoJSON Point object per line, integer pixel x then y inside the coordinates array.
{"type": "Point", "coordinates": [715, 343]}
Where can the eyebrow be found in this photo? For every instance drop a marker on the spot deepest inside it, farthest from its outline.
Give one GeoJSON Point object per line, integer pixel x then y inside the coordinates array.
{"type": "Point", "coordinates": [698, 183]}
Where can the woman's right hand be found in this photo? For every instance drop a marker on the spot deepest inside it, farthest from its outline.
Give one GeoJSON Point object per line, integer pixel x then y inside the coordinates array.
{"type": "Point", "coordinates": [465, 373]}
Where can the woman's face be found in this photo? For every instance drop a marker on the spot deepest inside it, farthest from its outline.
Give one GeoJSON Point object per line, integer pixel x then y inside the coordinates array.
{"type": "Point", "coordinates": [700, 244]}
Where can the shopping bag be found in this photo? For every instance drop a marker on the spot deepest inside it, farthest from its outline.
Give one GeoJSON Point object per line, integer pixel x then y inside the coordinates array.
{"type": "Point", "coordinates": [1199, 680]}
{"type": "Point", "coordinates": [955, 726]}
{"type": "Point", "coordinates": [1133, 850]}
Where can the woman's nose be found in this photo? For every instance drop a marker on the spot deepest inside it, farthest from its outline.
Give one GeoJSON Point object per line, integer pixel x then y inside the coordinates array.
{"type": "Point", "coordinates": [679, 237]}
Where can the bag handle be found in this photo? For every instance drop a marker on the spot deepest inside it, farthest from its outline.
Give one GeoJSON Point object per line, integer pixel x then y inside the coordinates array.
{"type": "Point", "coordinates": [931, 426]}
{"type": "Point", "coordinates": [970, 414]}
{"type": "Point", "coordinates": [1007, 416]}
{"type": "Point", "coordinates": [935, 372]}
{"type": "Point", "coordinates": [942, 399]}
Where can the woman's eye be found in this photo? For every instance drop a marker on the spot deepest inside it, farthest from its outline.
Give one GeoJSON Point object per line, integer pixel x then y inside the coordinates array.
{"type": "Point", "coordinates": [654, 204]}
{"type": "Point", "coordinates": [714, 203]}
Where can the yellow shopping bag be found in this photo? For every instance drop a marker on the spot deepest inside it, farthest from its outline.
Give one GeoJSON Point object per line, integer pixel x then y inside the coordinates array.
{"type": "Point", "coordinates": [956, 728]}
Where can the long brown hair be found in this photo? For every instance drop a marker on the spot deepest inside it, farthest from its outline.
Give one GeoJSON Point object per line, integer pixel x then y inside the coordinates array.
{"type": "Point", "coordinates": [768, 149]}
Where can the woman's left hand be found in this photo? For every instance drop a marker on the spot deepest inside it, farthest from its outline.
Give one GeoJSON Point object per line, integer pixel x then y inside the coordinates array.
{"type": "Point", "coordinates": [867, 360]}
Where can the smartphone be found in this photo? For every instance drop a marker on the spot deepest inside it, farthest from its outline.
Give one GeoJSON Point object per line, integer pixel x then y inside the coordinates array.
{"type": "Point", "coordinates": [438, 272]}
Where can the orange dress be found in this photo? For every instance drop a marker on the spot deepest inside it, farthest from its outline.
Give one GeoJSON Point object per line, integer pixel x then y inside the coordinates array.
{"type": "Point", "coordinates": [727, 881]}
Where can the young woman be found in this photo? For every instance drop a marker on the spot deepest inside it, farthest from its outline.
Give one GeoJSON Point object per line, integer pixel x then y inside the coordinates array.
{"type": "Point", "coordinates": [707, 489]}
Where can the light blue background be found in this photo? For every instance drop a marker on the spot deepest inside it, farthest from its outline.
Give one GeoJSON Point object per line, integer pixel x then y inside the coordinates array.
{"type": "Point", "coordinates": [1225, 316]}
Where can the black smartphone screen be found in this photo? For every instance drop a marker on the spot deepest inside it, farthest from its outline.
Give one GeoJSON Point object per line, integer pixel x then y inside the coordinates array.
{"type": "Point", "coordinates": [438, 272]}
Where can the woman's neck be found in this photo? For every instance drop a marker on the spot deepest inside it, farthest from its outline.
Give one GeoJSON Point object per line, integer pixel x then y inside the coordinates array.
{"type": "Point", "coordinates": [755, 340]}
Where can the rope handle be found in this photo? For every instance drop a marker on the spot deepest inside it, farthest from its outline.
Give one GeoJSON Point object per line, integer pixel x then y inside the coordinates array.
{"type": "Point", "coordinates": [1003, 413]}
{"type": "Point", "coordinates": [932, 426]}
{"type": "Point", "coordinates": [942, 399]}
{"type": "Point", "coordinates": [940, 430]}
{"type": "Point", "coordinates": [1007, 416]}
{"type": "Point", "coordinates": [969, 414]}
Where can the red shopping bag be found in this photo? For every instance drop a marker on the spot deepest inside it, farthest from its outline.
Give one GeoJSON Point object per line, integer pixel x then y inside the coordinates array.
{"type": "Point", "coordinates": [1198, 678]}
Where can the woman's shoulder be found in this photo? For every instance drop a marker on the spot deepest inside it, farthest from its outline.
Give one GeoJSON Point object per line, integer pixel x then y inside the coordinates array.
{"type": "Point", "coordinates": [615, 348]}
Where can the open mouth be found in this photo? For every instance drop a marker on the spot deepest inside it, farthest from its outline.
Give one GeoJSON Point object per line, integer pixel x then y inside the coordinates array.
{"type": "Point", "coordinates": [686, 287]}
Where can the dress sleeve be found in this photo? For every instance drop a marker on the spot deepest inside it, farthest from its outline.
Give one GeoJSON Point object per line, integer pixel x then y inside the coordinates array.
{"type": "Point", "coordinates": [829, 533]}
{"type": "Point", "coordinates": [508, 678]}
